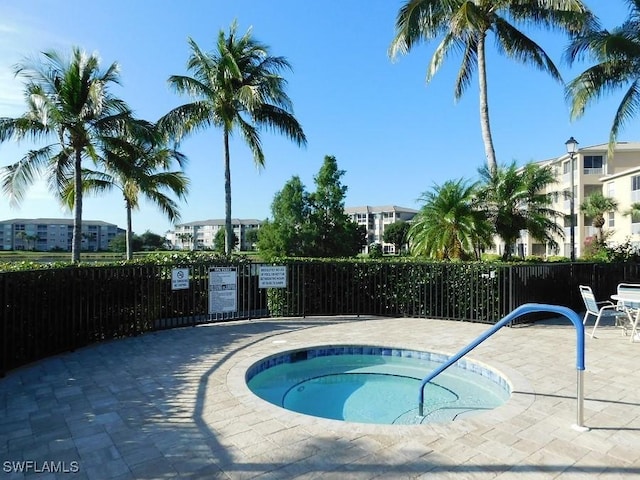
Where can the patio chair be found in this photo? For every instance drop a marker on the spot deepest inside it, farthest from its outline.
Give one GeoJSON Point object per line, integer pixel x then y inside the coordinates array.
{"type": "Point", "coordinates": [600, 309]}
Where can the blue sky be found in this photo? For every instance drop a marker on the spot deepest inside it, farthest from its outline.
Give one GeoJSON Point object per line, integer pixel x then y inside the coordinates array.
{"type": "Point", "coordinates": [393, 134]}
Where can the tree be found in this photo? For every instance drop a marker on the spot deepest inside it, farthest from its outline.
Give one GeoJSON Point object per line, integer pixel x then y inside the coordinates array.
{"type": "Point", "coordinates": [594, 207]}
{"type": "Point", "coordinates": [68, 100]}
{"type": "Point", "coordinates": [289, 231]}
{"type": "Point", "coordinates": [633, 211]}
{"type": "Point", "coordinates": [514, 200]}
{"type": "Point", "coordinates": [236, 87]}
{"type": "Point", "coordinates": [251, 237]}
{"type": "Point", "coordinates": [137, 164]}
{"type": "Point", "coordinates": [617, 56]}
{"type": "Point", "coordinates": [32, 238]}
{"type": "Point", "coordinates": [119, 243]}
{"type": "Point", "coordinates": [22, 235]}
{"type": "Point", "coordinates": [396, 234]}
{"type": "Point", "coordinates": [464, 26]}
{"type": "Point", "coordinates": [311, 225]}
{"type": "Point", "coordinates": [219, 241]}
{"type": "Point", "coordinates": [333, 232]}
{"type": "Point", "coordinates": [448, 226]}
{"type": "Point", "coordinates": [184, 238]}
{"type": "Point", "coordinates": [152, 241]}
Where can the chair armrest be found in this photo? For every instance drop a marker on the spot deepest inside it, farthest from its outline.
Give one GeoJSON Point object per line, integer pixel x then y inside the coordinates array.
{"type": "Point", "coordinates": [605, 302]}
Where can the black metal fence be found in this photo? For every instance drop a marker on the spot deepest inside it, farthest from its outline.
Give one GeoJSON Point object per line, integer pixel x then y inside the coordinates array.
{"type": "Point", "coordinates": [45, 312]}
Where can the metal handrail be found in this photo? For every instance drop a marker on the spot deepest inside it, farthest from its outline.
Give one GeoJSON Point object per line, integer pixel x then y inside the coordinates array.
{"type": "Point", "coordinates": [522, 310]}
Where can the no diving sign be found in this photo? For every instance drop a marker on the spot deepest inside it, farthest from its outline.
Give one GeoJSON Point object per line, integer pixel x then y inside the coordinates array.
{"type": "Point", "coordinates": [272, 276]}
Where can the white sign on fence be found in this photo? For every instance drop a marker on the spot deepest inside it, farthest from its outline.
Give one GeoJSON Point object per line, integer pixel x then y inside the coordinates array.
{"type": "Point", "coordinates": [179, 279]}
{"type": "Point", "coordinates": [271, 276]}
{"type": "Point", "coordinates": [223, 289]}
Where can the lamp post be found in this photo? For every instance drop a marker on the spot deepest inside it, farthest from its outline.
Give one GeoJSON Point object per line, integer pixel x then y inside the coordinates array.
{"type": "Point", "coordinates": [572, 149]}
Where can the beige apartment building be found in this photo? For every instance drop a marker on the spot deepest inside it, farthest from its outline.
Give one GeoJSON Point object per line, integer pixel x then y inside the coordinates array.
{"type": "Point", "coordinates": [375, 219]}
{"type": "Point", "coordinates": [200, 234]}
{"type": "Point", "coordinates": [617, 177]}
{"type": "Point", "coordinates": [47, 234]}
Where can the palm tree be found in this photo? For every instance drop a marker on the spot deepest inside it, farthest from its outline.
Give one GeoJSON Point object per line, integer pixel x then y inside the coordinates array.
{"type": "Point", "coordinates": [513, 200]}
{"type": "Point", "coordinates": [448, 226]}
{"type": "Point", "coordinates": [595, 206]}
{"type": "Point", "coordinates": [617, 53]}
{"type": "Point", "coordinates": [22, 235]}
{"type": "Point", "coordinates": [185, 238]}
{"type": "Point", "coordinates": [236, 87]}
{"type": "Point", "coordinates": [139, 165]}
{"type": "Point", "coordinates": [634, 212]}
{"type": "Point", "coordinates": [464, 26]}
{"type": "Point", "coordinates": [68, 101]}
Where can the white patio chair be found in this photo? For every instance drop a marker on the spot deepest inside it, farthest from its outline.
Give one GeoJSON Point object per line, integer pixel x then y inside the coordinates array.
{"type": "Point", "coordinates": [600, 309]}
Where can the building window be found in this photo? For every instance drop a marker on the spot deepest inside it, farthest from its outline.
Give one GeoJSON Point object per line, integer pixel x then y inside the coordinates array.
{"type": "Point", "coordinates": [611, 221]}
{"type": "Point", "coordinates": [593, 164]}
{"type": "Point", "coordinates": [635, 188]}
{"type": "Point", "coordinates": [566, 167]}
{"type": "Point", "coordinates": [611, 189]}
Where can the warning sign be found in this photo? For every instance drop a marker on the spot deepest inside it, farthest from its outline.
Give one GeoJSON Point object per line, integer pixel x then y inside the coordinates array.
{"type": "Point", "coordinates": [272, 276]}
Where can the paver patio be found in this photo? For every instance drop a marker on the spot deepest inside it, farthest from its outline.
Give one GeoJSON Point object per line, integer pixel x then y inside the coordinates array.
{"type": "Point", "coordinates": [174, 404]}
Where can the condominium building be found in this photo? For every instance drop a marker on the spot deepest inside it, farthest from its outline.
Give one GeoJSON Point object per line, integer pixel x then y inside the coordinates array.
{"type": "Point", "coordinates": [375, 219]}
{"type": "Point", "coordinates": [201, 234]}
{"type": "Point", "coordinates": [46, 234]}
{"type": "Point", "coordinates": [594, 170]}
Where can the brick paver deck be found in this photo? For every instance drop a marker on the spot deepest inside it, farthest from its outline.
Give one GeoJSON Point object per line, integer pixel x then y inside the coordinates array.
{"type": "Point", "coordinates": [174, 404]}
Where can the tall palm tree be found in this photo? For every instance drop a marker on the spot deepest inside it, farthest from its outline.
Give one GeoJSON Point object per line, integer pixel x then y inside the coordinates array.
{"type": "Point", "coordinates": [515, 199]}
{"type": "Point", "coordinates": [69, 102]}
{"type": "Point", "coordinates": [238, 86]}
{"type": "Point", "coordinates": [595, 206]}
{"type": "Point", "coordinates": [138, 165]}
{"type": "Point", "coordinates": [448, 226]}
{"type": "Point", "coordinates": [617, 56]}
{"type": "Point", "coordinates": [464, 26]}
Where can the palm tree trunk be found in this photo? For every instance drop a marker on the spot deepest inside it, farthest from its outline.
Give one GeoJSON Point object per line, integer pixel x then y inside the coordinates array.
{"type": "Point", "coordinates": [129, 233]}
{"type": "Point", "coordinates": [484, 106]}
{"type": "Point", "coordinates": [76, 241]}
{"type": "Point", "coordinates": [228, 228]}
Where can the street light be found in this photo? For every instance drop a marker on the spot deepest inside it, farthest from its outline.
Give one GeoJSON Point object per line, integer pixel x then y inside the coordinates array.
{"type": "Point", "coordinates": [572, 149]}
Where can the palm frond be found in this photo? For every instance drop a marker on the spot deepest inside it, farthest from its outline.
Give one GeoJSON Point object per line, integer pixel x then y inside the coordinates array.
{"type": "Point", "coordinates": [17, 177]}
{"type": "Point", "coordinates": [520, 47]}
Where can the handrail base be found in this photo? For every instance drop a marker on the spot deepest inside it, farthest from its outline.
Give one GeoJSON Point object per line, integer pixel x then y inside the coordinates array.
{"type": "Point", "coordinates": [580, 428]}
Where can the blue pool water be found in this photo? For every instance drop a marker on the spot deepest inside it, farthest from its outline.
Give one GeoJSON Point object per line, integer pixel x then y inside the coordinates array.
{"type": "Point", "coordinates": [375, 385]}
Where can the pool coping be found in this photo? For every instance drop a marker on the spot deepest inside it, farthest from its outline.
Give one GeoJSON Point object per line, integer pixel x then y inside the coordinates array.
{"type": "Point", "coordinates": [236, 383]}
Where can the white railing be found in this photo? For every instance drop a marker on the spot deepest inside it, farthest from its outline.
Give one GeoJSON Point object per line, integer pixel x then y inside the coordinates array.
{"type": "Point", "coordinates": [635, 228]}
{"type": "Point", "coordinates": [593, 171]}
{"type": "Point", "coordinates": [635, 196]}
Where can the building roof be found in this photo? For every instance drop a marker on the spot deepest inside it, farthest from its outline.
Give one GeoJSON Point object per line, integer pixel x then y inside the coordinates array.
{"type": "Point", "coordinates": [624, 173]}
{"type": "Point", "coordinates": [379, 209]}
{"type": "Point", "coordinates": [620, 146]}
{"type": "Point", "coordinates": [54, 221]}
{"type": "Point", "coordinates": [220, 221]}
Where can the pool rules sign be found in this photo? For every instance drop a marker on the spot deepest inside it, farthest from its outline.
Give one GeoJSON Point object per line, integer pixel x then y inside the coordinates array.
{"type": "Point", "coordinates": [223, 289]}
